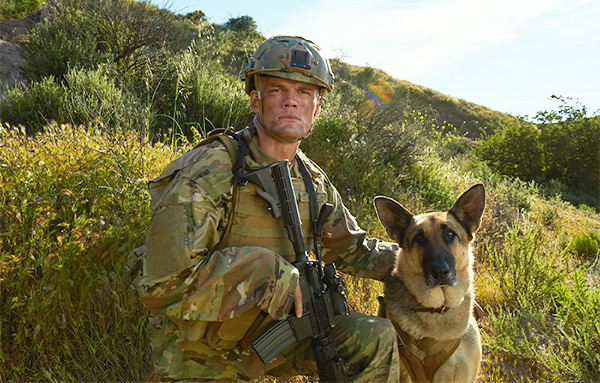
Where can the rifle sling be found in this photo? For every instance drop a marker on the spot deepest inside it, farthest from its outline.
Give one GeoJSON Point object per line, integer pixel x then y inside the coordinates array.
{"type": "Point", "coordinates": [312, 196]}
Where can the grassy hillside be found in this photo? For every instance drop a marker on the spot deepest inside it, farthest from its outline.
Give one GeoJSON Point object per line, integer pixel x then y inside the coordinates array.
{"type": "Point", "coordinates": [78, 145]}
{"type": "Point", "coordinates": [468, 118]}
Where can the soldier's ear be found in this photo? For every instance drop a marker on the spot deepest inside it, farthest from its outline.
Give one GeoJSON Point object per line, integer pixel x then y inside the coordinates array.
{"type": "Point", "coordinates": [468, 209]}
{"type": "Point", "coordinates": [254, 101]}
{"type": "Point", "coordinates": [318, 109]}
{"type": "Point", "coordinates": [394, 217]}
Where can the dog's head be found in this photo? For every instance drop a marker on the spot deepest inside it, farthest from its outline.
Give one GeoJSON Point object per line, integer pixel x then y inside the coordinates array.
{"type": "Point", "coordinates": [437, 243]}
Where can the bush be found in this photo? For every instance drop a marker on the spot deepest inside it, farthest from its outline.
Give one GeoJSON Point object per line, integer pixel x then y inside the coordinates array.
{"type": "Point", "coordinates": [87, 96]}
{"type": "Point", "coordinates": [134, 35]}
{"type": "Point", "coordinates": [562, 149]}
{"type": "Point", "coordinates": [584, 245]}
{"type": "Point", "coordinates": [196, 93]}
{"type": "Point", "coordinates": [72, 203]}
{"type": "Point", "coordinates": [64, 40]}
{"type": "Point", "coordinates": [525, 270]}
{"type": "Point", "coordinates": [33, 105]}
{"type": "Point", "coordinates": [514, 151]}
{"type": "Point", "coordinates": [16, 9]}
{"type": "Point", "coordinates": [92, 97]}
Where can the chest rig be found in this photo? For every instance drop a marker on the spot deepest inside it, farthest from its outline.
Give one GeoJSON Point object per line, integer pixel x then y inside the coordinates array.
{"type": "Point", "coordinates": [251, 222]}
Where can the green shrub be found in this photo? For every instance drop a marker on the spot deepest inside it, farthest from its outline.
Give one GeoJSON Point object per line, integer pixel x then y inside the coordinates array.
{"type": "Point", "coordinates": [16, 9]}
{"type": "Point", "coordinates": [87, 96]}
{"type": "Point", "coordinates": [33, 105]}
{"type": "Point", "coordinates": [72, 203]}
{"type": "Point", "coordinates": [577, 308]}
{"type": "Point", "coordinates": [514, 151]}
{"type": "Point", "coordinates": [133, 35]}
{"type": "Point", "coordinates": [525, 270]}
{"type": "Point", "coordinates": [561, 150]}
{"type": "Point", "coordinates": [93, 97]}
{"type": "Point", "coordinates": [584, 245]}
{"type": "Point", "coordinates": [65, 40]}
{"type": "Point", "coordinates": [196, 93]}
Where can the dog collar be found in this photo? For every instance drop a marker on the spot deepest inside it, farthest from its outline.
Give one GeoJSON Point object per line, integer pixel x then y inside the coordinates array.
{"type": "Point", "coordinates": [433, 310]}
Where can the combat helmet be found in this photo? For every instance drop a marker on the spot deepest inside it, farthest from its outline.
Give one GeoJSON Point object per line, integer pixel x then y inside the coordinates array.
{"type": "Point", "coordinates": [290, 57]}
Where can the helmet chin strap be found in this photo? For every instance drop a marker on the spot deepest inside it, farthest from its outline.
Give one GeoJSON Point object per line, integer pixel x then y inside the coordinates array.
{"type": "Point", "coordinates": [261, 116]}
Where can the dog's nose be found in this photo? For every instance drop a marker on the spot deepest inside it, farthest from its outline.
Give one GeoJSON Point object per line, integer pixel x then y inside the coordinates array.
{"type": "Point", "coordinates": [440, 274]}
{"type": "Point", "coordinates": [438, 267]}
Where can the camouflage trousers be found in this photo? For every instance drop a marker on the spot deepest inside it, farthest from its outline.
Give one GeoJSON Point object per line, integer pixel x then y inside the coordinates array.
{"type": "Point", "coordinates": [368, 344]}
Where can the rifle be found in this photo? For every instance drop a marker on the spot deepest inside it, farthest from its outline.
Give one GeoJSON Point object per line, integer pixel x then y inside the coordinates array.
{"type": "Point", "coordinates": [322, 287]}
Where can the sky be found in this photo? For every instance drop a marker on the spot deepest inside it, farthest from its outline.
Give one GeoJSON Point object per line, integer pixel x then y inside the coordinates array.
{"type": "Point", "coordinates": [510, 56]}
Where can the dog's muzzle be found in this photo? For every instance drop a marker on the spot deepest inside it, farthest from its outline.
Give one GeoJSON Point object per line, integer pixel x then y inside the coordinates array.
{"type": "Point", "coordinates": [439, 270]}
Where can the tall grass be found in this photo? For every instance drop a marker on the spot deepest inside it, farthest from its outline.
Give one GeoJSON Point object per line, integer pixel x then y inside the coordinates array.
{"type": "Point", "coordinates": [72, 201]}
{"type": "Point", "coordinates": [543, 306]}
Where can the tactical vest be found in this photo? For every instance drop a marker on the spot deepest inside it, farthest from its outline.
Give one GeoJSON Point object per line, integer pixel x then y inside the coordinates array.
{"type": "Point", "coordinates": [251, 223]}
{"type": "Point", "coordinates": [423, 358]}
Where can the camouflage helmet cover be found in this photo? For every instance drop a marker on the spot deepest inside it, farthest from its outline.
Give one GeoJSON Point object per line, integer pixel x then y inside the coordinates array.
{"type": "Point", "coordinates": [290, 57]}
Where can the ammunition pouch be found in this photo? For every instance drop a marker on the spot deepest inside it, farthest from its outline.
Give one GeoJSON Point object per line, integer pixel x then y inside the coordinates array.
{"type": "Point", "coordinates": [227, 334]}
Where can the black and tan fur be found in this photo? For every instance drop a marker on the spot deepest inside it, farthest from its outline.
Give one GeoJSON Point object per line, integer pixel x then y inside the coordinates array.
{"type": "Point", "coordinates": [429, 294]}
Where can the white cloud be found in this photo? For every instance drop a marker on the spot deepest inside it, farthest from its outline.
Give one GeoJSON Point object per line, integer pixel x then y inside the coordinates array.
{"type": "Point", "coordinates": [411, 39]}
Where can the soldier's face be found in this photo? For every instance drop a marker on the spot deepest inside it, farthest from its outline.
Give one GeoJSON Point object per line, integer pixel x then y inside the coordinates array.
{"type": "Point", "coordinates": [289, 107]}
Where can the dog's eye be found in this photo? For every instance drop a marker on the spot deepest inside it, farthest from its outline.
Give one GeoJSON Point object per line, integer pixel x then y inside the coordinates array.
{"type": "Point", "coordinates": [419, 239]}
{"type": "Point", "coordinates": [450, 235]}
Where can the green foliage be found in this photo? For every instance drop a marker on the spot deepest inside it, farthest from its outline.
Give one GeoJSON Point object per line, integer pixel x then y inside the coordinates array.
{"type": "Point", "coordinates": [33, 105]}
{"type": "Point", "coordinates": [71, 204]}
{"type": "Point", "coordinates": [230, 45]}
{"type": "Point", "coordinates": [514, 151]}
{"type": "Point", "coordinates": [525, 270]}
{"type": "Point", "coordinates": [241, 24]}
{"type": "Point", "coordinates": [196, 93]}
{"type": "Point", "coordinates": [585, 245]}
{"type": "Point", "coordinates": [544, 299]}
{"type": "Point", "coordinates": [93, 97]}
{"type": "Point", "coordinates": [561, 149]}
{"type": "Point", "coordinates": [59, 43]}
{"type": "Point", "coordinates": [16, 9]}
{"type": "Point", "coordinates": [86, 96]}
{"type": "Point", "coordinates": [530, 333]}
{"type": "Point", "coordinates": [84, 34]}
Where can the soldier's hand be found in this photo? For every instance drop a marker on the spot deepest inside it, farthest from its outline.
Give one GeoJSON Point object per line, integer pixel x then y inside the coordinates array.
{"type": "Point", "coordinates": [298, 301]}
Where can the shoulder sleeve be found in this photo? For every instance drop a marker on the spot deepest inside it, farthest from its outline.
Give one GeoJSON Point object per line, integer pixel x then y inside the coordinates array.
{"type": "Point", "coordinates": [347, 245]}
{"type": "Point", "coordinates": [190, 203]}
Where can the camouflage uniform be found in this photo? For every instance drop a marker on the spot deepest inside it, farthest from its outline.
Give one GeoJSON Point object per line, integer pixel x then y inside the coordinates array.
{"type": "Point", "coordinates": [214, 278]}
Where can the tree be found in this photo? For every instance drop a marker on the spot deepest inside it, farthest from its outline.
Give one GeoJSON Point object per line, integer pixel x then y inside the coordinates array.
{"type": "Point", "coordinates": [562, 146]}
{"type": "Point", "coordinates": [241, 24]}
{"type": "Point", "coordinates": [87, 33]}
{"type": "Point", "coordinates": [514, 151]}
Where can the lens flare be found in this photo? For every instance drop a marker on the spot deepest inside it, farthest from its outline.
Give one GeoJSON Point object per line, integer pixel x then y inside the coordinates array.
{"type": "Point", "coordinates": [380, 92]}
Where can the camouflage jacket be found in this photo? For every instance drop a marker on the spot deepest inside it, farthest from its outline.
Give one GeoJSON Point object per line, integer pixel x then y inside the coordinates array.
{"type": "Point", "coordinates": [198, 266]}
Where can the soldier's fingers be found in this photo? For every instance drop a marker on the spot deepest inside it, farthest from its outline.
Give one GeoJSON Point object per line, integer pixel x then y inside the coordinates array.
{"type": "Point", "coordinates": [298, 301]}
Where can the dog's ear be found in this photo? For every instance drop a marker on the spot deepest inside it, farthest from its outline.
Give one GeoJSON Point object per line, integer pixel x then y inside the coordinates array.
{"type": "Point", "coordinates": [469, 208]}
{"type": "Point", "coordinates": [394, 217]}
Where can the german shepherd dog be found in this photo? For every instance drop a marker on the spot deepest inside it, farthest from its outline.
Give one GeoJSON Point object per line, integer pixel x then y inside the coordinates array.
{"type": "Point", "coordinates": [429, 294]}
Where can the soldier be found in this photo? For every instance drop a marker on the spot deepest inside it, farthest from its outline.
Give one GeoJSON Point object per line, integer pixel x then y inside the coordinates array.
{"type": "Point", "coordinates": [216, 264]}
